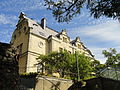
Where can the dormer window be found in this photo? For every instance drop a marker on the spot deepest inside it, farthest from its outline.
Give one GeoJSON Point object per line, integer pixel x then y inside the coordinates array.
{"type": "Point", "coordinates": [79, 46]}
{"type": "Point", "coordinates": [64, 32]}
{"type": "Point", "coordinates": [41, 33]}
{"type": "Point", "coordinates": [64, 39]}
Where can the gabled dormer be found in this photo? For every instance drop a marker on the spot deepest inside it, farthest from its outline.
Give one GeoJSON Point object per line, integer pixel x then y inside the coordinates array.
{"type": "Point", "coordinates": [22, 25]}
{"type": "Point", "coordinates": [63, 32]}
{"type": "Point", "coordinates": [63, 36]}
{"type": "Point", "coordinates": [76, 42]}
{"type": "Point", "coordinates": [21, 28]}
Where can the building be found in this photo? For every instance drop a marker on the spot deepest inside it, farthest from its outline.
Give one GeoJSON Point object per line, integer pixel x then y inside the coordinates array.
{"type": "Point", "coordinates": [33, 39]}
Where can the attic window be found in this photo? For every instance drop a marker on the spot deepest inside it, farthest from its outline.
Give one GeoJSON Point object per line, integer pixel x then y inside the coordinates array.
{"type": "Point", "coordinates": [79, 46]}
{"type": "Point", "coordinates": [64, 39]}
{"type": "Point", "coordinates": [41, 33]}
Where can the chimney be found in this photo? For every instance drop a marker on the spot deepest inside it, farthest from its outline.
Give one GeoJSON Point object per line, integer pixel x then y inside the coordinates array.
{"type": "Point", "coordinates": [43, 23]}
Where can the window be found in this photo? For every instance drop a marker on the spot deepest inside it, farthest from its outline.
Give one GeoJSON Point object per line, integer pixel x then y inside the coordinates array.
{"type": "Point", "coordinates": [72, 50]}
{"type": "Point", "coordinates": [60, 49]}
{"type": "Point", "coordinates": [69, 52]}
{"type": "Point", "coordinates": [24, 29]}
{"type": "Point", "coordinates": [20, 48]}
{"type": "Point", "coordinates": [64, 39]}
{"type": "Point", "coordinates": [14, 36]}
{"type": "Point", "coordinates": [65, 50]}
{"type": "Point", "coordinates": [41, 33]}
{"type": "Point", "coordinates": [79, 46]}
{"type": "Point", "coordinates": [39, 67]}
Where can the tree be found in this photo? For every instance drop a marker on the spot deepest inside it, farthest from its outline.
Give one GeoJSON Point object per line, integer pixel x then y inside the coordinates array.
{"type": "Point", "coordinates": [56, 61]}
{"type": "Point", "coordinates": [97, 66]}
{"type": "Point", "coordinates": [108, 8]}
{"type": "Point", "coordinates": [65, 10]}
{"type": "Point", "coordinates": [9, 71]}
{"type": "Point", "coordinates": [113, 58]}
{"type": "Point", "coordinates": [66, 64]}
{"type": "Point", "coordinates": [85, 66]}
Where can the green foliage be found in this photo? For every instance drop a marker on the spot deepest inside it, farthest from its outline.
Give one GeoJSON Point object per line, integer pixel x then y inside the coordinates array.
{"type": "Point", "coordinates": [56, 61]}
{"type": "Point", "coordinates": [65, 10]}
{"type": "Point", "coordinates": [113, 58]}
{"type": "Point", "coordinates": [84, 64]}
{"type": "Point", "coordinates": [65, 63]}
{"type": "Point", "coordinates": [97, 66]}
{"type": "Point", "coordinates": [108, 8]}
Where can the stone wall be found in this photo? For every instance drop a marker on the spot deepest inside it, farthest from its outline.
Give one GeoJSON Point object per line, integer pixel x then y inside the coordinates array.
{"type": "Point", "coordinates": [9, 76]}
{"type": "Point", "coordinates": [45, 83]}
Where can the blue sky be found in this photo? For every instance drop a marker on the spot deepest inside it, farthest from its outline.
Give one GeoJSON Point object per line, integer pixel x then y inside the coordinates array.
{"type": "Point", "coordinates": [96, 34]}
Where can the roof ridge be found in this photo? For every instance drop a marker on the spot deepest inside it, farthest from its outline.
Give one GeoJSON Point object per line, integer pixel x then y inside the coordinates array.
{"type": "Point", "coordinates": [52, 29]}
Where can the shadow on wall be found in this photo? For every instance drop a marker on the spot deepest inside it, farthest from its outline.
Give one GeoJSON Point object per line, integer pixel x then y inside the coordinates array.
{"type": "Point", "coordinates": [44, 83]}
{"type": "Point", "coordinates": [30, 83]}
{"type": "Point", "coordinates": [77, 86]}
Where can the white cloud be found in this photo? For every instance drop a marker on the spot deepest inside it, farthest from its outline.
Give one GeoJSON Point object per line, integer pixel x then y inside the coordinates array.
{"type": "Point", "coordinates": [108, 31]}
{"type": "Point", "coordinates": [98, 53]}
{"type": "Point", "coordinates": [8, 19]}
{"type": "Point", "coordinates": [3, 19]}
{"type": "Point", "coordinates": [97, 35]}
{"type": "Point", "coordinates": [5, 35]}
{"type": "Point", "coordinates": [20, 5]}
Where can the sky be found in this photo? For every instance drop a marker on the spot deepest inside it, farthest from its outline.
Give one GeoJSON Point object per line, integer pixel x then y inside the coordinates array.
{"type": "Point", "coordinates": [96, 34]}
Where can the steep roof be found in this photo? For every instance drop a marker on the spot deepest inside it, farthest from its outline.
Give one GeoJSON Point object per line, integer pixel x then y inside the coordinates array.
{"type": "Point", "coordinates": [38, 30]}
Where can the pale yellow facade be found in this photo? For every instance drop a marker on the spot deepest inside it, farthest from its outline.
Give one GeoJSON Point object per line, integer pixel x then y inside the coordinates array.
{"type": "Point", "coordinates": [33, 39]}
